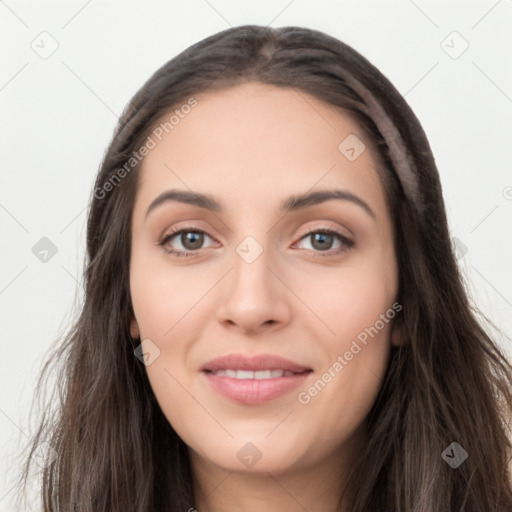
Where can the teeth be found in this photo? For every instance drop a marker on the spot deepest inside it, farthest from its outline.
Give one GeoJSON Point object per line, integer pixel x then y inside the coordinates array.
{"type": "Point", "coordinates": [244, 374]}
{"type": "Point", "coordinates": [264, 374]}
{"type": "Point", "coordinates": [258, 375]}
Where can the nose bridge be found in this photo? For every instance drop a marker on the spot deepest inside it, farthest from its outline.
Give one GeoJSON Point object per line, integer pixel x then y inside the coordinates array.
{"type": "Point", "coordinates": [253, 297]}
{"type": "Point", "coordinates": [252, 240]}
{"type": "Point", "coordinates": [251, 272]}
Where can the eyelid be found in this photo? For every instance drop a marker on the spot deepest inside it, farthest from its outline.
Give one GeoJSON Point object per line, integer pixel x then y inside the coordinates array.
{"type": "Point", "coordinates": [346, 241]}
{"type": "Point", "coordinates": [177, 231]}
{"type": "Point", "coordinates": [326, 227]}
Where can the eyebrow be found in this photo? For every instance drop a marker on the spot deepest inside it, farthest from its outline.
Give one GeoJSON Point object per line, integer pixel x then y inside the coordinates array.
{"type": "Point", "coordinates": [293, 203]}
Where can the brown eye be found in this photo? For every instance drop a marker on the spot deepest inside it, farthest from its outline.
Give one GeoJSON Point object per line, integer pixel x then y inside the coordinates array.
{"type": "Point", "coordinates": [191, 240]}
{"type": "Point", "coordinates": [326, 239]}
{"type": "Point", "coordinates": [321, 241]}
{"type": "Point", "coordinates": [185, 241]}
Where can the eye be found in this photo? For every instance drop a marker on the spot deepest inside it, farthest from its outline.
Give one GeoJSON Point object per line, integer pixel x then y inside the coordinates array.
{"type": "Point", "coordinates": [324, 240]}
{"type": "Point", "coordinates": [188, 240]}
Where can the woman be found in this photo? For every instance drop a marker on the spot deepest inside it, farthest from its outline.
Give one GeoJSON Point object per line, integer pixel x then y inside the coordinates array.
{"type": "Point", "coordinates": [274, 318]}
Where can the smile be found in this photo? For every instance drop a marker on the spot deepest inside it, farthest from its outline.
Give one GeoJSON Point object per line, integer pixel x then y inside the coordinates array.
{"type": "Point", "coordinates": [247, 374]}
{"type": "Point", "coordinates": [254, 380]}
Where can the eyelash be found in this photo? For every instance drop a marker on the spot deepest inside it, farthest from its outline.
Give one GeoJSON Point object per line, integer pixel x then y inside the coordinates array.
{"type": "Point", "coordinates": [344, 240]}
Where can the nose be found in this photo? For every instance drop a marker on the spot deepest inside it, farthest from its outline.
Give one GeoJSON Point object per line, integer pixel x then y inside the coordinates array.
{"type": "Point", "coordinates": [254, 296]}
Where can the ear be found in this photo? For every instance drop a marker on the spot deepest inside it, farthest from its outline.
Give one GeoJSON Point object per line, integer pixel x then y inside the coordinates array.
{"type": "Point", "coordinates": [397, 333]}
{"type": "Point", "coordinates": [134, 329]}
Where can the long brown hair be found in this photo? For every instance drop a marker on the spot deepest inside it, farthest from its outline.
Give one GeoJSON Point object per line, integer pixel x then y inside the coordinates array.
{"type": "Point", "coordinates": [449, 382]}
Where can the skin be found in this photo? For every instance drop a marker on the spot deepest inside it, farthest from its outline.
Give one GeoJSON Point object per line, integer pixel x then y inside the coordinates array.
{"type": "Point", "coordinates": [251, 147]}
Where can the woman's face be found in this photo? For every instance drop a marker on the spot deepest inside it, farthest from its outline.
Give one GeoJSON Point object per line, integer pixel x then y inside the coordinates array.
{"type": "Point", "coordinates": [266, 336]}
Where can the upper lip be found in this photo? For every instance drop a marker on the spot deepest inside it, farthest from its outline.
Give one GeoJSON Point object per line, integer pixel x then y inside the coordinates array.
{"type": "Point", "coordinates": [255, 363]}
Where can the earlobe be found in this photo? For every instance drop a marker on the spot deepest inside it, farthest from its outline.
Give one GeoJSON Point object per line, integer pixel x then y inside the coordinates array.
{"type": "Point", "coordinates": [397, 334]}
{"type": "Point", "coordinates": [134, 329]}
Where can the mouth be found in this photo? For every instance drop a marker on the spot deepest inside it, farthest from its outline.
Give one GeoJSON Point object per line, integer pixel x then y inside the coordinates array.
{"type": "Point", "coordinates": [254, 380]}
{"type": "Point", "coordinates": [248, 374]}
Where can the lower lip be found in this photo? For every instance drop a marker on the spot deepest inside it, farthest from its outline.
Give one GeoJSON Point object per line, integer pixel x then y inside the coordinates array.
{"type": "Point", "coordinates": [254, 391]}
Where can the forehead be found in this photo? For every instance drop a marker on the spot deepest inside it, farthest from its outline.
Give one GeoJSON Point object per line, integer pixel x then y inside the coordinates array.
{"type": "Point", "coordinates": [255, 142]}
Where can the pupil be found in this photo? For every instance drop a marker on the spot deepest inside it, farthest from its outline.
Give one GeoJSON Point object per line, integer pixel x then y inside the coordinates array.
{"type": "Point", "coordinates": [192, 240]}
{"type": "Point", "coordinates": [321, 239]}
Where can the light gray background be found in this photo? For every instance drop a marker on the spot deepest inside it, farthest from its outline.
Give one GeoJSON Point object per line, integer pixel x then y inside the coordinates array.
{"type": "Point", "coordinates": [58, 114]}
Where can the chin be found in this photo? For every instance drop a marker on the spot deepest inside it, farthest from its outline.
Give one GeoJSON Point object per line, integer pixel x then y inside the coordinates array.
{"type": "Point", "coordinates": [254, 455]}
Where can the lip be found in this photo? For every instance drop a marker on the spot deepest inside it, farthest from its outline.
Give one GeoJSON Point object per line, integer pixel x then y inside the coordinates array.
{"type": "Point", "coordinates": [254, 391]}
{"type": "Point", "coordinates": [255, 363]}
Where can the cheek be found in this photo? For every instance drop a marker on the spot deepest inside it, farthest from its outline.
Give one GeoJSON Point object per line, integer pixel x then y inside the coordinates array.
{"type": "Point", "coordinates": [164, 304]}
{"type": "Point", "coordinates": [335, 404]}
{"type": "Point", "coordinates": [356, 306]}
{"type": "Point", "coordinates": [171, 305]}
{"type": "Point", "coordinates": [163, 296]}
{"type": "Point", "coordinates": [347, 300]}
